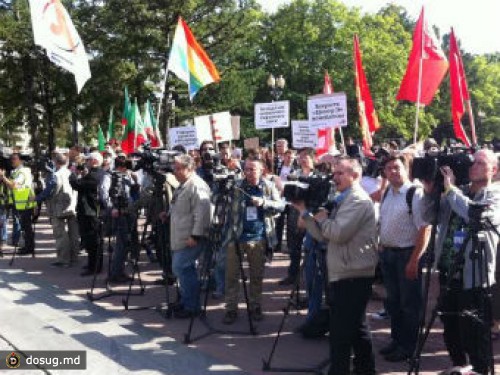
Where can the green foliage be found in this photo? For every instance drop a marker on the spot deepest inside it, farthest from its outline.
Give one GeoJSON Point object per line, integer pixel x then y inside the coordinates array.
{"type": "Point", "coordinates": [128, 42]}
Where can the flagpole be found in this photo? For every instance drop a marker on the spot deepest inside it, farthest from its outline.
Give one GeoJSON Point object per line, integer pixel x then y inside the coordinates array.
{"type": "Point", "coordinates": [420, 68]}
{"type": "Point", "coordinates": [471, 122]}
{"type": "Point", "coordinates": [341, 139]}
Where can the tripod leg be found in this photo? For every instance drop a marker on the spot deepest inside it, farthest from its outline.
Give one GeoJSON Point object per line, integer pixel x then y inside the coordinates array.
{"type": "Point", "coordinates": [243, 279]}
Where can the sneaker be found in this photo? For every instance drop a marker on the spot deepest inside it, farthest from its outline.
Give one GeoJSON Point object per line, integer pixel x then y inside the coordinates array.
{"type": "Point", "coordinates": [256, 314]}
{"type": "Point", "coordinates": [457, 370]}
{"type": "Point", "coordinates": [230, 317]}
{"type": "Point", "coordinates": [388, 349]}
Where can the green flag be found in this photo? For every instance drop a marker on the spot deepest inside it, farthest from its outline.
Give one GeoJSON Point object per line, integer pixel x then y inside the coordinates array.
{"type": "Point", "coordinates": [126, 107]}
{"type": "Point", "coordinates": [101, 141]}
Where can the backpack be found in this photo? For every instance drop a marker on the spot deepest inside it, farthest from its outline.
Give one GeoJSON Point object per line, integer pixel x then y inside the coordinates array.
{"type": "Point", "coordinates": [64, 200]}
{"type": "Point", "coordinates": [409, 198]}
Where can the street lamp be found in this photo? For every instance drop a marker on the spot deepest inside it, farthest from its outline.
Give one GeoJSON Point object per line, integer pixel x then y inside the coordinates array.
{"type": "Point", "coordinates": [276, 86]}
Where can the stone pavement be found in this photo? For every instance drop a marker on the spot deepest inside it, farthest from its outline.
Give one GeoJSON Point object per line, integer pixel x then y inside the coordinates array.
{"type": "Point", "coordinates": [46, 308]}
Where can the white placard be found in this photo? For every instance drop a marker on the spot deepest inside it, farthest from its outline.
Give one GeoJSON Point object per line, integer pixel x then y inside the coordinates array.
{"type": "Point", "coordinates": [303, 135]}
{"type": "Point", "coordinates": [327, 111]}
{"type": "Point", "coordinates": [221, 124]}
{"type": "Point", "coordinates": [185, 136]}
{"type": "Point", "coordinates": [272, 115]}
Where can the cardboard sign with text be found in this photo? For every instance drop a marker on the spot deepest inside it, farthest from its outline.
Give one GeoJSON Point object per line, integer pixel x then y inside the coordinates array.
{"type": "Point", "coordinates": [251, 143]}
{"type": "Point", "coordinates": [303, 135]}
{"type": "Point", "coordinates": [327, 111]}
{"type": "Point", "coordinates": [272, 115]}
{"type": "Point", "coordinates": [185, 136]}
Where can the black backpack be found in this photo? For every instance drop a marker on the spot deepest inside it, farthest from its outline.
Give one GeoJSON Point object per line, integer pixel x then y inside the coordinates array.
{"type": "Point", "coordinates": [409, 198]}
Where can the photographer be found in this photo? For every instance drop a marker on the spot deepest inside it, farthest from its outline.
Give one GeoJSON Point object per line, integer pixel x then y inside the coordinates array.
{"type": "Point", "coordinates": [123, 216]}
{"type": "Point", "coordinates": [255, 202]}
{"type": "Point", "coordinates": [351, 233]}
{"type": "Point", "coordinates": [466, 335]}
{"type": "Point", "coordinates": [85, 182]}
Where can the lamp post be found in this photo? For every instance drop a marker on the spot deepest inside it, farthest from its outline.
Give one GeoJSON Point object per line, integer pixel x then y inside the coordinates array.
{"type": "Point", "coordinates": [276, 87]}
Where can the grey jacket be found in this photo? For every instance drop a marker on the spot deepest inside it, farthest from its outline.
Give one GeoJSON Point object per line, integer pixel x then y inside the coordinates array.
{"type": "Point", "coordinates": [458, 202]}
{"type": "Point", "coordinates": [189, 212]}
{"type": "Point", "coordinates": [63, 201]}
{"type": "Point", "coordinates": [351, 233]}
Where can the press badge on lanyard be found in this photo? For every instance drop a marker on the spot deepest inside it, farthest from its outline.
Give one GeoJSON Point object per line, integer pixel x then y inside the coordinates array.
{"type": "Point", "coordinates": [252, 213]}
{"type": "Point", "coordinates": [458, 239]}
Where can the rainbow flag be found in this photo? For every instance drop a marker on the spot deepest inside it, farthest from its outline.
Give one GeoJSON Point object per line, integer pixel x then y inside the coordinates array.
{"type": "Point", "coordinates": [189, 61]}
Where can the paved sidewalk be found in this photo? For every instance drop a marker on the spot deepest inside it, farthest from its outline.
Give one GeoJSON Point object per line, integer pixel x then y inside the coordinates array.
{"type": "Point", "coordinates": [42, 307]}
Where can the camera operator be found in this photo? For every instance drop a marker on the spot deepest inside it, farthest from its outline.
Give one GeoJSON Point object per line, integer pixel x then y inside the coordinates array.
{"type": "Point", "coordinates": [404, 236]}
{"type": "Point", "coordinates": [465, 334]}
{"type": "Point", "coordinates": [20, 184]}
{"type": "Point", "coordinates": [351, 233]}
{"type": "Point", "coordinates": [255, 202]}
{"type": "Point", "coordinates": [294, 234]}
{"type": "Point", "coordinates": [120, 186]}
{"type": "Point", "coordinates": [86, 181]}
{"type": "Point", "coordinates": [189, 226]}
{"type": "Point", "coordinates": [207, 149]}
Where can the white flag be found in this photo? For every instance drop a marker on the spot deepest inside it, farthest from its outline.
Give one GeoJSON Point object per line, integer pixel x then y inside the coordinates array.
{"type": "Point", "coordinates": [54, 31]}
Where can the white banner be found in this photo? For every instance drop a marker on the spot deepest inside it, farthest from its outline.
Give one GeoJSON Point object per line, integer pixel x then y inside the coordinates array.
{"type": "Point", "coordinates": [185, 136]}
{"type": "Point", "coordinates": [326, 111]}
{"type": "Point", "coordinates": [272, 115]}
{"type": "Point", "coordinates": [54, 31]}
{"type": "Point", "coordinates": [220, 123]}
{"type": "Point", "coordinates": [303, 135]}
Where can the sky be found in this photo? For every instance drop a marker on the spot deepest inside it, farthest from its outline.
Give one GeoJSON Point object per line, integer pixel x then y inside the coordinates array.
{"type": "Point", "coordinates": [476, 23]}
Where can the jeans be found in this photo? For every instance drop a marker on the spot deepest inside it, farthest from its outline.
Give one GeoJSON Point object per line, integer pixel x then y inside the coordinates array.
{"type": "Point", "coordinates": [3, 227]}
{"type": "Point", "coordinates": [16, 228]}
{"type": "Point", "coordinates": [349, 332]}
{"type": "Point", "coordinates": [220, 271]}
{"type": "Point", "coordinates": [184, 267]}
{"type": "Point", "coordinates": [315, 273]}
{"type": "Point", "coordinates": [404, 298]}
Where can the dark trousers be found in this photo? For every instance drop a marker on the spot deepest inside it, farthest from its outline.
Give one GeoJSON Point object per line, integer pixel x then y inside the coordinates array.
{"type": "Point", "coordinates": [27, 227]}
{"type": "Point", "coordinates": [280, 227]}
{"type": "Point", "coordinates": [294, 239]}
{"type": "Point", "coordinates": [404, 297]}
{"type": "Point", "coordinates": [465, 334]}
{"type": "Point", "coordinates": [90, 234]}
{"type": "Point", "coordinates": [349, 332]}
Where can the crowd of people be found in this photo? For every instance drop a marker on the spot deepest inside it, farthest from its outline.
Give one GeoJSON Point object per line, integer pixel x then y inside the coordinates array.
{"type": "Point", "coordinates": [371, 221]}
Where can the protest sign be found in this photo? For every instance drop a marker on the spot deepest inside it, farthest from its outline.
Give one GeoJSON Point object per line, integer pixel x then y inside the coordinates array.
{"type": "Point", "coordinates": [303, 135]}
{"type": "Point", "coordinates": [326, 111]}
{"type": "Point", "coordinates": [272, 115]}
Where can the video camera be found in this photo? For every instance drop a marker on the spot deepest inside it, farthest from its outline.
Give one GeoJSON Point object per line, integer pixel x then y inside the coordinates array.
{"type": "Point", "coordinates": [313, 190]}
{"type": "Point", "coordinates": [216, 172]}
{"type": "Point", "coordinates": [118, 192]}
{"type": "Point", "coordinates": [428, 167]}
{"type": "Point", "coordinates": [373, 166]}
{"type": "Point", "coordinates": [157, 160]}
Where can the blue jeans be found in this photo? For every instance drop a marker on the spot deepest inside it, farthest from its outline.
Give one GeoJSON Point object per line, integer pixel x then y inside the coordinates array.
{"type": "Point", "coordinates": [184, 267]}
{"type": "Point", "coordinates": [404, 298]}
{"type": "Point", "coordinates": [315, 273]}
{"type": "Point", "coordinates": [3, 227]}
{"type": "Point", "coordinates": [220, 271]}
{"type": "Point", "coordinates": [16, 228]}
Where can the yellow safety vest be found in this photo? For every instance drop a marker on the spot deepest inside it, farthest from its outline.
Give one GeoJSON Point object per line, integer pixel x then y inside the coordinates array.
{"type": "Point", "coordinates": [21, 195]}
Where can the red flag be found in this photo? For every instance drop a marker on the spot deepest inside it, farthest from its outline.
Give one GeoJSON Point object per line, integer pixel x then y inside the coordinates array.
{"type": "Point", "coordinates": [459, 90]}
{"type": "Point", "coordinates": [327, 87]}
{"type": "Point", "coordinates": [368, 120]}
{"type": "Point", "coordinates": [427, 65]}
{"type": "Point", "coordinates": [326, 137]}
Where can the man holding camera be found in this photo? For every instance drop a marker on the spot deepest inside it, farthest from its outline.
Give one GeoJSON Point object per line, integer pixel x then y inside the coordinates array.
{"type": "Point", "coordinates": [466, 278]}
{"type": "Point", "coordinates": [351, 233]}
{"type": "Point", "coordinates": [120, 186]}
{"type": "Point", "coordinates": [86, 182]}
{"type": "Point", "coordinates": [254, 204]}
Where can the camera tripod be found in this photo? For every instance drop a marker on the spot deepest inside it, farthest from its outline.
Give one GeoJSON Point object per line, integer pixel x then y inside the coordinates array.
{"type": "Point", "coordinates": [292, 301]}
{"type": "Point", "coordinates": [222, 203]}
{"type": "Point", "coordinates": [480, 313]}
{"type": "Point", "coordinates": [109, 290]}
